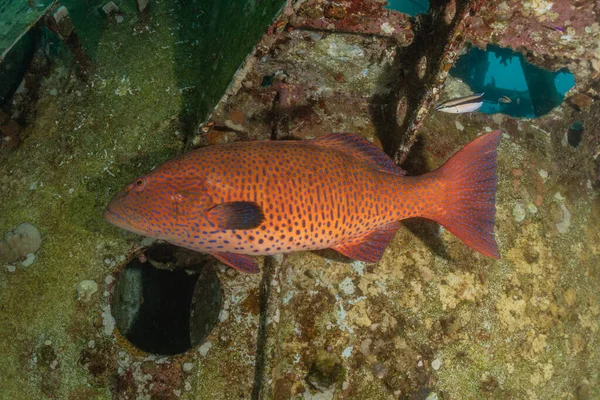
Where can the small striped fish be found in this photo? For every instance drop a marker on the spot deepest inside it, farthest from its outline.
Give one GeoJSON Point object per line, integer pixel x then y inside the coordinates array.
{"type": "Point", "coordinates": [462, 104]}
{"type": "Point", "coordinates": [339, 191]}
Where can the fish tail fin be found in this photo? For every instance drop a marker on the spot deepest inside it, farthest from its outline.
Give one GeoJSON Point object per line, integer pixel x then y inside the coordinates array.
{"type": "Point", "coordinates": [468, 207]}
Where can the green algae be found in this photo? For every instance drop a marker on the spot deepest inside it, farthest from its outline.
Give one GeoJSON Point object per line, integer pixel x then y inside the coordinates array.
{"type": "Point", "coordinates": [87, 141]}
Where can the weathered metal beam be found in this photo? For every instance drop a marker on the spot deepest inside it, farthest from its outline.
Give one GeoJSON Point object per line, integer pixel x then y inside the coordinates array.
{"type": "Point", "coordinates": [60, 23]}
{"type": "Point", "coordinates": [433, 52]}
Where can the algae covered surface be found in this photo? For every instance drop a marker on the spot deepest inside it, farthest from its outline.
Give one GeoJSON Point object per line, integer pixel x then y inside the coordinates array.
{"type": "Point", "coordinates": [435, 319]}
{"type": "Point", "coordinates": [155, 75]}
{"type": "Point", "coordinates": [431, 320]}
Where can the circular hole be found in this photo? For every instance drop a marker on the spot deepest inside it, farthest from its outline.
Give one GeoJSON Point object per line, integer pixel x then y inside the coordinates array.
{"type": "Point", "coordinates": [166, 311]}
{"type": "Point", "coordinates": [575, 133]}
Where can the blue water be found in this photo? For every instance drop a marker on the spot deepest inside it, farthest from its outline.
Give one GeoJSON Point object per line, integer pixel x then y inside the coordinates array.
{"type": "Point", "coordinates": [410, 7]}
{"type": "Point", "coordinates": [498, 72]}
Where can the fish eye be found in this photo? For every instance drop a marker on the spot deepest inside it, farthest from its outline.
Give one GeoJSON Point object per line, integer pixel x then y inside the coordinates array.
{"type": "Point", "coordinates": [140, 183]}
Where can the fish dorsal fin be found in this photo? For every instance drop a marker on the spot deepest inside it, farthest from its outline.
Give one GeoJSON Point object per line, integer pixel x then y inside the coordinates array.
{"type": "Point", "coordinates": [360, 148]}
{"type": "Point", "coordinates": [240, 262]}
{"type": "Point", "coordinates": [370, 249]}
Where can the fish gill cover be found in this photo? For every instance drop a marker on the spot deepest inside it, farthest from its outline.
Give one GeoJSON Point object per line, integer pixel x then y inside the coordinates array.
{"type": "Point", "coordinates": [510, 84]}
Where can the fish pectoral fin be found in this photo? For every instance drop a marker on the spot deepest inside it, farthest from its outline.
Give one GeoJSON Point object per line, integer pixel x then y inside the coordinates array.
{"type": "Point", "coordinates": [236, 215]}
{"type": "Point", "coordinates": [360, 148]}
{"type": "Point", "coordinates": [240, 262]}
{"type": "Point", "coordinates": [370, 249]}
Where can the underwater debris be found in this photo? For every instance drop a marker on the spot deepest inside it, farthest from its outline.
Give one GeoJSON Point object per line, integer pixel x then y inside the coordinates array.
{"type": "Point", "coordinates": [20, 243]}
{"type": "Point", "coordinates": [205, 348]}
{"type": "Point", "coordinates": [422, 67]}
{"type": "Point", "coordinates": [108, 321]}
{"type": "Point", "coordinates": [28, 261]}
{"type": "Point", "coordinates": [565, 223]}
{"type": "Point", "coordinates": [532, 208]}
{"type": "Point", "coordinates": [85, 290]}
{"type": "Point", "coordinates": [142, 4]}
{"type": "Point", "coordinates": [235, 120]}
{"type": "Point", "coordinates": [519, 212]}
{"type": "Point", "coordinates": [112, 12]}
{"type": "Point", "coordinates": [187, 367]}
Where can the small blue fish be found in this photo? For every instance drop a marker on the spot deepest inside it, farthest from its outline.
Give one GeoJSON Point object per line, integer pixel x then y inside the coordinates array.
{"type": "Point", "coordinates": [462, 104]}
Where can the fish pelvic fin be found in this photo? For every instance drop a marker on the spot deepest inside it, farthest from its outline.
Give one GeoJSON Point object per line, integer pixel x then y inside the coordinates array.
{"type": "Point", "coordinates": [468, 206]}
{"type": "Point", "coordinates": [241, 262]}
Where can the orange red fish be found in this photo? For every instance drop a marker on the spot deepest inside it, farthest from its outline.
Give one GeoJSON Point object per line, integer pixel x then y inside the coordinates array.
{"type": "Point", "coordinates": [339, 191]}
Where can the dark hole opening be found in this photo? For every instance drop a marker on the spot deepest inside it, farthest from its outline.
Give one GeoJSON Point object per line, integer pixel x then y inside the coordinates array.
{"type": "Point", "coordinates": [166, 311]}
{"type": "Point", "coordinates": [575, 133]}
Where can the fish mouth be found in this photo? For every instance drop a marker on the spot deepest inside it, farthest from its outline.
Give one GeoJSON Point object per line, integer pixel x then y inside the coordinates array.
{"type": "Point", "coordinates": [111, 216]}
{"type": "Point", "coordinates": [123, 223]}
{"type": "Point", "coordinates": [117, 220]}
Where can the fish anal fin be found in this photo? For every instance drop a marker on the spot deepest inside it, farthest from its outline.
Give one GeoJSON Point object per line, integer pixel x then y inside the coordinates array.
{"type": "Point", "coordinates": [241, 262]}
{"type": "Point", "coordinates": [236, 215]}
{"type": "Point", "coordinates": [360, 148]}
{"type": "Point", "coordinates": [370, 249]}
